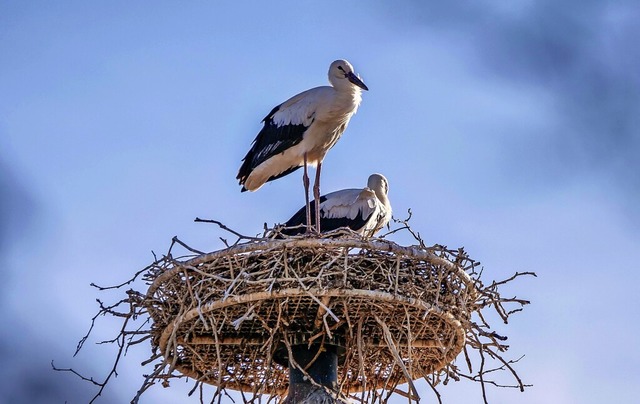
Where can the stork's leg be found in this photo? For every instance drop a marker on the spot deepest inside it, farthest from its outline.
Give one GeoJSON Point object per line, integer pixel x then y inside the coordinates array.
{"type": "Point", "coordinates": [305, 181]}
{"type": "Point", "coordinates": [316, 196]}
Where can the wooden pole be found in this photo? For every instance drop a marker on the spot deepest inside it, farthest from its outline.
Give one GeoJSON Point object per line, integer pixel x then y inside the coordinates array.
{"type": "Point", "coordinates": [320, 363]}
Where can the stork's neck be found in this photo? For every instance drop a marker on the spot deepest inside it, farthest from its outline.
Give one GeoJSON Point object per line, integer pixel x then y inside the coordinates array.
{"type": "Point", "coordinates": [349, 94]}
{"type": "Point", "coordinates": [344, 103]}
{"type": "Point", "coordinates": [381, 195]}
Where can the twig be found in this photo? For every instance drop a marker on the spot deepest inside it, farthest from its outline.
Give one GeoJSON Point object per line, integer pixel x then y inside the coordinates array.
{"type": "Point", "coordinates": [175, 239]}
{"type": "Point", "coordinates": [223, 227]}
{"type": "Point", "coordinates": [434, 389]}
{"type": "Point", "coordinates": [392, 347]}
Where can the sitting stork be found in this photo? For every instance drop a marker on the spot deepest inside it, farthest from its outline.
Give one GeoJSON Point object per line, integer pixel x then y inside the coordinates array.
{"type": "Point", "coordinates": [365, 211]}
{"type": "Point", "coordinates": [300, 131]}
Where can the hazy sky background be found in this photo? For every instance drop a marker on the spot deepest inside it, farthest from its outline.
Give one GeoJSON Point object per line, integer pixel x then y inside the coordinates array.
{"type": "Point", "coordinates": [509, 128]}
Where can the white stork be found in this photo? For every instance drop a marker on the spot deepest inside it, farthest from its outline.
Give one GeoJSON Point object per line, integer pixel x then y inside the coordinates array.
{"type": "Point", "coordinates": [365, 211]}
{"type": "Point", "coordinates": [300, 131]}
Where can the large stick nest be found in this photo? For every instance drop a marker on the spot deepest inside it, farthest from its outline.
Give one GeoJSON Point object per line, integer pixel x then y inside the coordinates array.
{"type": "Point", "coordinates": [229, 318]}
{"type": "Point", "coordinates": [225, 317]}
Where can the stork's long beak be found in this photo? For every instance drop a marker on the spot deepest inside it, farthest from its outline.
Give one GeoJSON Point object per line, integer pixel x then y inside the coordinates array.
{"type": "Point", "coordinates": [356, 80]}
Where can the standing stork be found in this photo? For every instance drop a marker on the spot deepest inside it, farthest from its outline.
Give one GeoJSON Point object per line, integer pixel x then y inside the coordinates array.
{"type": "Point", "coordinates": [365, 211]}
{"type": "Point", "coordinates": [300, 131]}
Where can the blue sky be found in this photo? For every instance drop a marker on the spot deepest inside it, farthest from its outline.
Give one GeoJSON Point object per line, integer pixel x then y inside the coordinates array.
{"type": "Point", "coordinates": [512, 130]}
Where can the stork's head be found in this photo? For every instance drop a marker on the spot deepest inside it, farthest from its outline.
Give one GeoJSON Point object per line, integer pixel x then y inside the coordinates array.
{"type": "Point", "coordinates": [341, 73]}
{"type": "Point", "coordinates": [379, 184]}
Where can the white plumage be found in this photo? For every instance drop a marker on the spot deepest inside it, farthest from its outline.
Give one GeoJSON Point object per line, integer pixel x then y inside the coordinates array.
{"type": "Point", "coordinates": [300, 131]}
{"type": "Point", "coordinates": [366, 210]}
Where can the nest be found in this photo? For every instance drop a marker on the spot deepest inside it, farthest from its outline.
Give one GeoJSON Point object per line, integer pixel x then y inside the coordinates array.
{"type": "Point", "coordinates": [395, 314]}
{"type": "Point", "coordinates": [227, 318]}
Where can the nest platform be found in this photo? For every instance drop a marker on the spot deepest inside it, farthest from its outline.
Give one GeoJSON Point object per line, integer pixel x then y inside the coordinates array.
{"type": "Point", "coordinates": [229, 318]}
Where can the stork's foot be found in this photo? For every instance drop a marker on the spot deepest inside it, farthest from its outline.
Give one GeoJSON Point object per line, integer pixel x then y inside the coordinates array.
{"type": "Point", "coordinates": [312, 230]}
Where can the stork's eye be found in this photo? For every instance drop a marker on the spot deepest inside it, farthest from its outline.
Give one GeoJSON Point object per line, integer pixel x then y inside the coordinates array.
{"type": "Point", "coordinates": [341, 69]}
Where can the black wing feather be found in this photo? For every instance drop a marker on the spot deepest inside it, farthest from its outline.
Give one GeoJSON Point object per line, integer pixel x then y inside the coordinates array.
{"type": "Point", "coordinates": [299, 221]}
{"type": "Point", "coordinates": [272, 140]}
